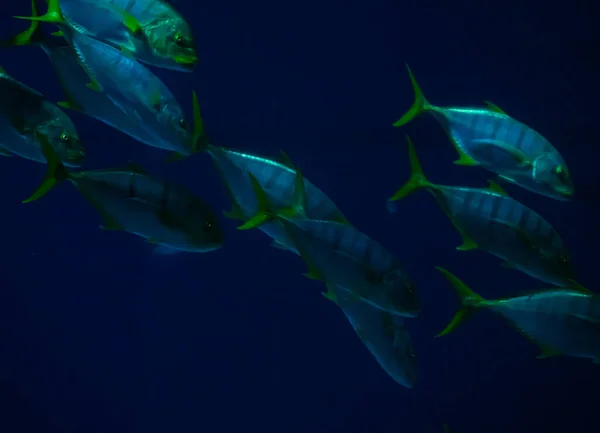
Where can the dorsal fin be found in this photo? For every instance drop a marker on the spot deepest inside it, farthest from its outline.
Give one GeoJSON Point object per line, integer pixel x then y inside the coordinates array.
{"type": "Point", "coordinates": [284, 159]}
{"type": "Point", "coordinates": [3, 71]}
{"type": "Point", "coordinates": [493, 107]}
{"type": "Point", "coordinates": [494, 187]}
{"type": "Point", "coordinates": [574, 285]}
{"type": "Point", "coordinates": [135, 167]}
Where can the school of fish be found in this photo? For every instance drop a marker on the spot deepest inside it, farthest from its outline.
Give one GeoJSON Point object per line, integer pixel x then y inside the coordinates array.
{"type": "Point", "coordinates": [103, 52]}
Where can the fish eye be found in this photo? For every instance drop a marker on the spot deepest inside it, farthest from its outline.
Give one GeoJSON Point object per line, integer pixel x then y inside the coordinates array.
{"type": "Point", "coordinates": [183, 123]}
{"type": "Point", "coordinates": [560, 172]}
{"type": "Point", "coordinates": [208, 225]}
{"type": "Point", "coordinates": [181, 41]}
{"type": "Point", "coordinates": [64, 137]}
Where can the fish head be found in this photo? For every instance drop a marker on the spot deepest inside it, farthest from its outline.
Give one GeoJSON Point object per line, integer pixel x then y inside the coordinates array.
{"type": "Point", "coordinates": [557, 263]}
{"type": "Point", "coordinates": [204, 226]}
{"type": "Point", "coordinates": [405, 357]}
{"type": "Point", "coordinates": [172, 118]}
{"type": "Point", "coordinates": [171, 39]}
{"type": "Point", "coordinates": [550, 171]}
{"type": "Point", "coordinates": [60, 132]}
{"type": "Point", "coordinates": [402, 293]}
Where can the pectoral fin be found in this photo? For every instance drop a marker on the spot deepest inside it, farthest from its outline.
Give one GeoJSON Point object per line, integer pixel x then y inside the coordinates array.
{"type": "Point", "coordinates": [519, 157]}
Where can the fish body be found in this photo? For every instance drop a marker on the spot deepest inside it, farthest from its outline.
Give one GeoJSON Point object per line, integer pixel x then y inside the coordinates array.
{"type": "Point", "coordinates": [142, 97]}
{"type": "Point", "coordinates": [384, 334]}
{"type": "Point", "coordinates": [152, 31]}
{"type": "Point", "coordinates": [507, 229]}
{"type": "Point", "coordinates": [489, 220]}
{"type": "Point", "coordinates": [137, 203]}
{"type": "Point", "coordinates": [342, 256]}
{"type": "Point", "coordinates": [493, 140]}
{"type": "Point", "coordinates": [95, 104]}
{"type": "Point", "coordinates": [563, 321]}
{"type": "Point", "coordinates": [24, 114]}
{"type": "Point", "coordinates": [567, 321]}
{"type": "Point", "coordinates": [278, 182]}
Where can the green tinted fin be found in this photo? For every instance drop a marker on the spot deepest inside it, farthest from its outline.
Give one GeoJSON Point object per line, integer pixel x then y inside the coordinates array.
{"type": "Point", "coordinates": [574, 285]}
{"type": "Point", "coordinates": [235, 213]}
{"type": "Point", "coordinates": [330, 294]}
{"type": "Point", "coordinates": [4, 152]}
{"type": "Point", "coordinates": [110, 223]}
{"type": "Point", "coordinates": [56, 171]}
{"type": "Point", "coordinates": [176, 156]}
{"type": "Point", "coordinates": [546, 351]}
{"type": "Point", "coordinates": [417, 178]}
{"type": "Point", "coordinates": [493, 107]}
{"type": "Point", "coordinates": [494, 187]}
{"type": "Point", "coordinates": [126, 51]}
{"type": "Point", "coordinates": [199, 138]}
{"type": "Point", "coordinates": [52, 15]}
{"type": "Point", "coordinates": [468, 243]}
{"type": "Point", "coordinates": [135, 167]}
{"type": "Point", "coordinates": [94, 85]}
{"type": "Point", "coordinates": [58, 34]}
{"type": "Point", "coordinates": [30, 36]}
{"type": "Point", "coordinates": [519, 157]}
{"type": "Point", "coordinates": [299, 195]}
{"type": "Point", "coordinates": [263, 214]}
{"type": "Point", "coordinates": [3, 71]}
{"type": "Point", "coordinates": [69, 104]}
{"type": "Point", "coordinates": [285, 160]}
{"type": "Point", "coordinates": [128, 20]}
{"type": "Point", "coordinates": [470, 301]}
{"type": "Point", "coordinates": [420, 104]}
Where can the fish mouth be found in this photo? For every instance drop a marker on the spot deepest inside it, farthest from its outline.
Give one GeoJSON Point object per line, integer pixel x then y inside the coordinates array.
{"type": "Point", "coordinates": [565, 193]}
{"type": "Point", "coordinates": [75, 157]}
{"type": "Point", "coordinates": [187, 62]}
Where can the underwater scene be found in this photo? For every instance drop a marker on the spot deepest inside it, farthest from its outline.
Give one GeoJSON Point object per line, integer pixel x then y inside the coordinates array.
{"type": "Point", "coordinates": [318, 217]}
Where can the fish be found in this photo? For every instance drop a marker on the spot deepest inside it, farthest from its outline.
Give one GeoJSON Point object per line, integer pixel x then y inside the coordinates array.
{"type": "Point", "coordinates": [490, 220]}
{"type": "Point", "coordinates": [491, 139]}
{"type": "Point", "coordinates": [341, 255]}
{"type": "Point", "coordinates": [140, 94]}
{"type": "Point", "coordinates": [25, 115]}
{"type": "Point", "coordinates": [384, 335]}
{"type": "Point", "coordinates": [150, 31]}
{"type": "Point", "coordinates": [74, 82]}
{"type": "Point", "coordinates": [560, 321]}
{"type": "Point", "coordinates": [132, 201]}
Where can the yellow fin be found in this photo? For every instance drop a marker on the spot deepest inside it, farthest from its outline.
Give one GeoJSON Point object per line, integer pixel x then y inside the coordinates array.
{"type": "Point", "coordinates": [463, 159]}
{"type": "Point", "coordinates": [574, 285]}
{"type": "Point", "coordinates": [95, 86]}
{"type": "Point", "coordinates": [547, 351]}
{"type": "Point", "coordinates": [494, 187]}
{"type": "Point", "coordinates": [493, 107]}
{"type": "Point", "coordinates": [468, 243]}
{"type": "Point", "coordinates": [330, 294]}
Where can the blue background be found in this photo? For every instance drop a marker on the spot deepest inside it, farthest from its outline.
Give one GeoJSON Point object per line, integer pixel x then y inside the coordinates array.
{"type": "Point", "coordinates": [97, 334]}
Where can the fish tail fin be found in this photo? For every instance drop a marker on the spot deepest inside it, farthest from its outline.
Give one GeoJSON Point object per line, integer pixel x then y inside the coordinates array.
{"type": "Point", "coordinates": [420, 104]}
{"type": "Point", "coordinates": [53, 15]}
{"type": "Point", "coordinates": [32, 36]}
{"type": "Point", "coordinates": [55, 173]}
{"type": "Point", "coordinates": [417, 179]}
{"type": "Point", "coordinates": [469, 300]}
{"type": "Point", "coordinates": [200, 140]}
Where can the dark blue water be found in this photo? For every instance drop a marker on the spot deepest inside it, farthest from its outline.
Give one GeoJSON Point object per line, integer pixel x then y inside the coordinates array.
{"type": "Point", "coordinates": [97, 334]}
